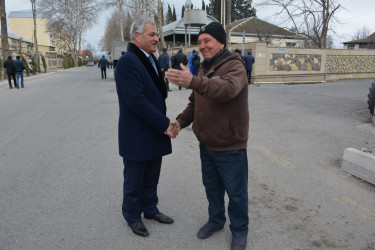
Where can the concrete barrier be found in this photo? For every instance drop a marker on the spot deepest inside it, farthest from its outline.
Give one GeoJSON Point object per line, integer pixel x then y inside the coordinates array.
{"type": "Point", "coordinates": [359, 164]}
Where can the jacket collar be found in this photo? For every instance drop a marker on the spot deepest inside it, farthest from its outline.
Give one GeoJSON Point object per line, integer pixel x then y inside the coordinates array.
{"type": "Point", "coordinates": [220, 56]}
{"type": "Point", "coordinates": [158, 80]}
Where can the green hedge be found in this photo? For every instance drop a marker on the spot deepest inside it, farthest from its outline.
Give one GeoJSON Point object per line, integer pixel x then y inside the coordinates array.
{"type": "Point", "coordinates": [68, 62]}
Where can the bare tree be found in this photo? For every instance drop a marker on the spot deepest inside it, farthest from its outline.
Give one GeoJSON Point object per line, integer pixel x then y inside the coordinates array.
{"type": "Point", "coordinates": [119, 5]}
{"type": "Point", "coordinates": [129, 10]}
{"type": "Point", "coordinates": [71, 16]}
{"type": "Point", "coordinates": [310, 18]}
{"type": "Point", "coordinates": [160, 19]}
{"type": "Point", "coordinates": [361, 33]}
{"type": "Point", "coordinates": [4, 31]}
{"type": "Point", "coordinates": [36, 55]}
{"type": "Point", "coordinates": [111, 32]}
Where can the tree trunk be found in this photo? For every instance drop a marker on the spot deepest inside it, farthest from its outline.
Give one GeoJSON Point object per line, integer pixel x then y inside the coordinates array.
{"type": "Point", "coordinates": [4, 32]}
{"type": "Point", "coordinates": [160, 14]}
{"type": "Point", "coordinates": [36, 56]}
{"type": "Point", "coordinates": [120, 3]}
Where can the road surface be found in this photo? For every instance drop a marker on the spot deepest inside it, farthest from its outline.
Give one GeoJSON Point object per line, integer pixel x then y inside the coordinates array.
{"type": "Point", "coordinates": [61, 175]}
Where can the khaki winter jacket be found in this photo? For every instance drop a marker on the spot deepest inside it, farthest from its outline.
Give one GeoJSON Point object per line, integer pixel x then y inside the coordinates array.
{"type": "Point", "coordinates": [218, 106]}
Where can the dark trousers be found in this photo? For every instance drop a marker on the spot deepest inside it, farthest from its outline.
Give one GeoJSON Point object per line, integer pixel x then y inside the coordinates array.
{"type": "Point", "coordinates": [141, 179]}
{"type": "Point", "coordinates": [10, 76]}
{"type": "Point", "coordinates": [104, 75]}
{"type": "Point", "coordinates": [226, 171]}
{"type": "Point", "coordinates": [248, 76]}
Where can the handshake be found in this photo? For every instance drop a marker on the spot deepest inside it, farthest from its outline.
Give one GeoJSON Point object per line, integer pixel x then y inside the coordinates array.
{"type": "Point", "coordinates": [173, 129]}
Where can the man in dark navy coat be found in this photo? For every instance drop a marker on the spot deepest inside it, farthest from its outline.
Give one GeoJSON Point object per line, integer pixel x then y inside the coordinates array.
{"type": "Point", "coordinates": [249, 61]}
{"type": "Point", "coordinates": [143, 126]}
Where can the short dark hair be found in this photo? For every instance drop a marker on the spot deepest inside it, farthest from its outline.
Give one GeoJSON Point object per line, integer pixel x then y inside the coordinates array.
{"type": "Point", "coordinates": [18, 57]}
{"type": "Point", "coordinates": [164, 49]}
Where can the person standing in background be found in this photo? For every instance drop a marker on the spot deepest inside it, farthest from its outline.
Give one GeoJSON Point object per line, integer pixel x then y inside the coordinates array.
{"type": "Point", "coordinates": [19, 67]}
{"type": "Point", "coordinates": [249, 61]}
{"type": "Point", "coordinates": [163, 61]}
{"type": "Point", "coordinates": [9, 65]}
{"type": "Point", "coordinates": [178, 59]}
{"type": "Point", "coordinates": [239, 52]}
{"type": "Point", "coordinates": [192, 69]}
{"type": "Point", "coordinates": [103, 66]}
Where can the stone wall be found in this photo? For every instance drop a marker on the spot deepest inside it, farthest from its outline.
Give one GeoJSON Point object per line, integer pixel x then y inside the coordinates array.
{"type": "Point", "coordinates": [297, 65]}
{"type": "Point", "coordinates": [54, 64]}
{"type": "Point", "coordinates": [295, 62]}
{"type": "Point", "coordinates": [350, 63]}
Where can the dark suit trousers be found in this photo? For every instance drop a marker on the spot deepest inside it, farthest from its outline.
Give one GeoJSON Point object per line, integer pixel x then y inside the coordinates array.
{"type": "Point", "coordinates": [104, 73]}
{"type": "Point", "coordinates": [10, 76]}
{"type": "Point", "coordinates": [141, 179]}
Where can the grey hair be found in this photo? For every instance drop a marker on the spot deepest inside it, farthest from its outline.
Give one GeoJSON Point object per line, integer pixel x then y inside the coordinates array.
{"type": "Point", "coordinates": [139, 26]}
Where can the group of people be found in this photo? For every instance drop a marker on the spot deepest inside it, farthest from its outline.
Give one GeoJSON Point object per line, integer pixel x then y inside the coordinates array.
{"type": "Point", "coordinates": [14, 70]}
{"type": "Point", "coordinates": [176, 60]}
{"type": "Point", "coordinates": [218, 111]}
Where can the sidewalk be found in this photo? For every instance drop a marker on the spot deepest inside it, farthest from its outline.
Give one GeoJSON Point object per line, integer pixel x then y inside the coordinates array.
{"type": "Point", "coordinates": [4, 82]}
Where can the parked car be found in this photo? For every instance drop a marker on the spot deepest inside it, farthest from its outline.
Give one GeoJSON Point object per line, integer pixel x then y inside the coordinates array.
{"type": "Point", "coordinates": [90, 64]}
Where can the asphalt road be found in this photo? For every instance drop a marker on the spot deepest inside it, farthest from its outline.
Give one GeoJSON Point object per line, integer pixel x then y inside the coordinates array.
{"type": "Point", "coordinates": [61, 176]}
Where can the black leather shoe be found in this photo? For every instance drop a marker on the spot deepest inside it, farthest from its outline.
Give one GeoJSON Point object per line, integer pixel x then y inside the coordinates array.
{"type": "Point", "coordinates": [139, 229]}
{"type": "Point", "coordinates": [161, 218]}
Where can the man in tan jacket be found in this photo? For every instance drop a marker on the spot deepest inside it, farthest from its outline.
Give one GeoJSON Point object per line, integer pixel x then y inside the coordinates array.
{"type": "Point", "coordinates": [218, 109]}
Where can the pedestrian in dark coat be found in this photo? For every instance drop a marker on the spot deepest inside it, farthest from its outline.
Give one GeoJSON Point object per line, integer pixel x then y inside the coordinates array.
{"type": "Point", "coordinates": [9, 65]}
{"type": "Point", "coordinates": [172, 61]}
{"type": "Point", "coordinates": [142, 125]}
{"type": "Point", "coordinates": [163, 61]}
{"type": "Point", "coordinates": [249, 61]}
{"type": "Point", "coordinates": [178, 59]}
{"type": "Point", "coordinates": [19, 67]}
{"type": "Point", "coordinates": [239, 52]}
{"type": "Point", "coordinates": [103, 66]}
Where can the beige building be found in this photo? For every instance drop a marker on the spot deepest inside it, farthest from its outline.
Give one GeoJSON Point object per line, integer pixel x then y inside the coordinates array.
{"type": "Point", "coordinates": [50, 42]}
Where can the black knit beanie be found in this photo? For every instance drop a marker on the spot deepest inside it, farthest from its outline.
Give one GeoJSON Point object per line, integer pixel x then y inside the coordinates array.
{"type": "Point", "coordinates": [216, 30]}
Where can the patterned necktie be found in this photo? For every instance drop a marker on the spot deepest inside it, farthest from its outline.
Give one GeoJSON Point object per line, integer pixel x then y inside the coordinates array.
{"type": "Point", "coordinates": [153, 64]}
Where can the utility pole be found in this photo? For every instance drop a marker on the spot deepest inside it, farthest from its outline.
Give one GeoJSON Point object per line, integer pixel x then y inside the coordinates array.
{"type": "Point", "coordinates": [36, 56]}
{"type": "Point", "coordinates": [229, 18]}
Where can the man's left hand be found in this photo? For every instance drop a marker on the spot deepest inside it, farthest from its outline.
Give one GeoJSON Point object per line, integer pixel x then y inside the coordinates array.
{"type": "Point", "coordinates": [181, 77]}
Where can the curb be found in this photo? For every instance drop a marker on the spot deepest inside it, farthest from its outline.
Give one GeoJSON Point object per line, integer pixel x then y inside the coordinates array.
{"type": "Point", "coordinates": [359, 164]}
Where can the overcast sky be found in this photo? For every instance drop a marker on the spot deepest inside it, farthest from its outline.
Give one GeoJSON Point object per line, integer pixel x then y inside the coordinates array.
{"type": "Point", "coordinates": [355, 15]}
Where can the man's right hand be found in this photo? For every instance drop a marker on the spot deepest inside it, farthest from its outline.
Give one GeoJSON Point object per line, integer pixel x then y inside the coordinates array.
{"type": "Point", "coordinates": [173, 129]}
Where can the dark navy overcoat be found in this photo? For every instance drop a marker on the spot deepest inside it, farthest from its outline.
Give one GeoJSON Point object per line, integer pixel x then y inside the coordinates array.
{"type": "Point", "coordinates": [142, 120]}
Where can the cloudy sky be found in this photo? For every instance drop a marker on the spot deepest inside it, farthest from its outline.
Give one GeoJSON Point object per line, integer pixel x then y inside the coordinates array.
{"type": "Point", "coordinates": [354, 15]}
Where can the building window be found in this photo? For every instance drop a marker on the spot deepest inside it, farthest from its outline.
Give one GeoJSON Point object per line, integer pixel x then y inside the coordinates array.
{"type": "Point", "coordinates": [363, 45]}
{"type": "Point", "coordinates": [14, 45]}
{"type": "Point", "coordinates": [350, 46]}
{"type": "Point", "coordinates": [291, 44]}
